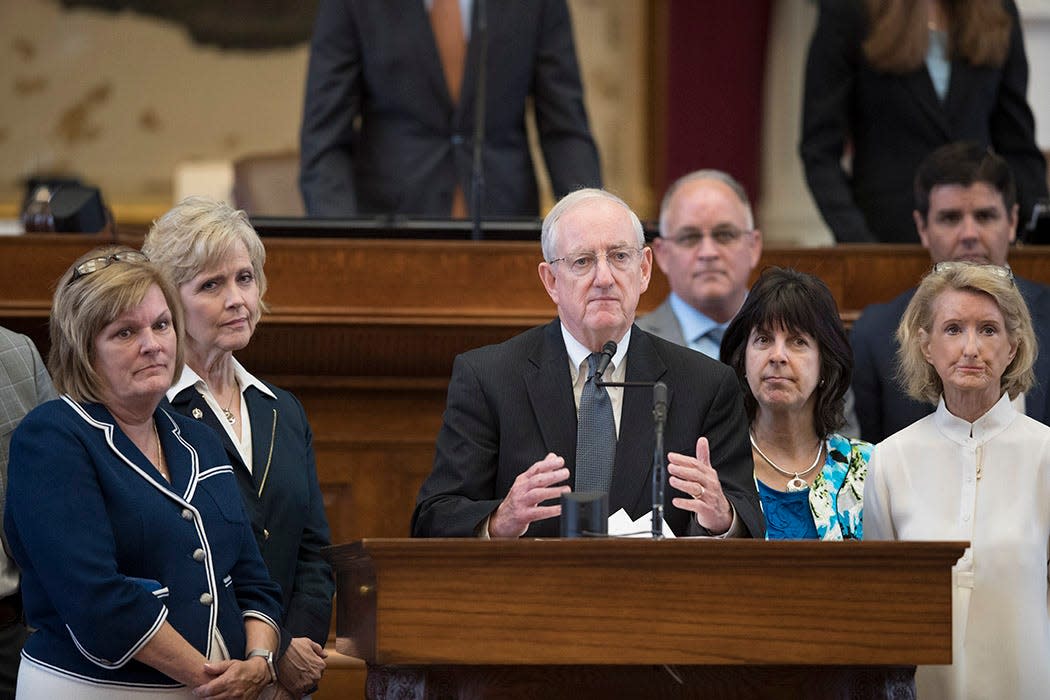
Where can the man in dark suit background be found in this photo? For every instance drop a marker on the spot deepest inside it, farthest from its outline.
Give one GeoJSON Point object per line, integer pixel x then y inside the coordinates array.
{"type": "Point", "coordinates": [508, 443]}
{"type": "Point", "coordinates": [965, 210]}
{"type": "Point", "coordinates": [24, 384]}
{"type": "Point", "coordinates": [388, 121]}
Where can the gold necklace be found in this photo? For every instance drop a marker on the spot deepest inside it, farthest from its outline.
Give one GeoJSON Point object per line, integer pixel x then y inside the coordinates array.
{"type": "Point", "coordinates": [230, 418]}
{"type": "Point", "coordinates": [796, 483]}
{"type": "Point", "coordinates": [161, 466]}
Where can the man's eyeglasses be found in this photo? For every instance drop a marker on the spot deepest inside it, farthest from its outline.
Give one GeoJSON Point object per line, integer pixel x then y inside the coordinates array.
{"type": "Point", "coordinates": [952, 266]}
{"type": "Point", "coordinates": [721, 235]}
{"type": "Point", "coordinates": [95, 264]}
{"type": "Point", "coordinates": [583, 264]}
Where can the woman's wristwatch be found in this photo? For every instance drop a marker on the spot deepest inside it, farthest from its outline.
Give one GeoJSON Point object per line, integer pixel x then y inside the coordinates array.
{"type": "Point", "coordinates": [268, 657]}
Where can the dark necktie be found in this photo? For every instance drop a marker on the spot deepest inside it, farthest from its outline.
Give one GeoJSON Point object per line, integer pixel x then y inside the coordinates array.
{"type": "Point", "coordinates": [595, 436]}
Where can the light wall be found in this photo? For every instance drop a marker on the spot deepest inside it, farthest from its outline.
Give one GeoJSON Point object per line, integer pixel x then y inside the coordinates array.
{"type": "Point", "coordinates": [122, 100]}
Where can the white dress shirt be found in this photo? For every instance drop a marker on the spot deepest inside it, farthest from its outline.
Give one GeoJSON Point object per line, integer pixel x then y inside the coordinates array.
{"type": "Point", "coordinates": [987, 482]}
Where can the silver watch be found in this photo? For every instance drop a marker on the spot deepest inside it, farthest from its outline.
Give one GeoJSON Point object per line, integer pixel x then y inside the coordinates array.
{"type": "Point", "coordinates": [268, 657]}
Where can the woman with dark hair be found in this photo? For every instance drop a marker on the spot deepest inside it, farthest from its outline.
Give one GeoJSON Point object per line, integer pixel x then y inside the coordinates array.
{"type": "Point", "coordinates": [790, 353]}
{"type": "Point", "coordinates": [888, 82]}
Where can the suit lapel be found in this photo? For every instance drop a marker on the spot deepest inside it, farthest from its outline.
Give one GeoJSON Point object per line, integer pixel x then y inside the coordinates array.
{"type": "Point", "coordinates": [634, 450]}
{"type": "Point", "coordinates": [189, 402]}
{"type": "Point", "coordinates": [960, 84]}
{"type": "Point", "coordinates": [920, 85]}
{"type": "Point", "coordinates": [549, 387]}
{"type": "Point", "coordinates": [262, 412]}
{"type": "Point", "coordinates": [100, 417]}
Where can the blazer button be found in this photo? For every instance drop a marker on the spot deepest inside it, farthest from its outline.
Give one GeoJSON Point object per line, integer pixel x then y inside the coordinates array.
{"type": "Point", "coordinates": [266, 534]}
{"type": "Point", "coordinates": [187, 514]}
{"type": "Point", "coordinates": [198, 555]}
{"type": "Point", "coordinates": [206, 599]}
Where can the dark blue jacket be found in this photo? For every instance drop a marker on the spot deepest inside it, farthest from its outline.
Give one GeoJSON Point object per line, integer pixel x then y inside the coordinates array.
{"type": "Point", "coordinates": [109, 550]}
{"type": "Point", "coordinates": [284, 503]}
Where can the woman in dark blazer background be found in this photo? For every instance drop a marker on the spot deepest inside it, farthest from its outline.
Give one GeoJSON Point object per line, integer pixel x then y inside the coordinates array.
{"type": "Point", "coordinates": [216, 259]}
{"type": "Point", "coordinates": [887, 82]}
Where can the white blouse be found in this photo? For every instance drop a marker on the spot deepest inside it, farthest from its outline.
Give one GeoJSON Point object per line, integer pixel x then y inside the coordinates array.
{"type": "Point", "coordinates": [987, 482]}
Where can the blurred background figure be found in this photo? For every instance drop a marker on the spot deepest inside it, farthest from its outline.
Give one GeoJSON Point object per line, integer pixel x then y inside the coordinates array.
{"type": "Point", "coordinates": [388, 124]}
{"type": "Point", "coordinates": [975, 470]}
{"type": "Point", "coordinates": [789, 350]}
{"type": "Point", "coordinates": [24, 384]}
{"type": "Point", "coordinates": [216, 259]}
{"type": "Point", "coordinates": [888, 81]}
{"type": "Point", "coordinates": [138, 562]}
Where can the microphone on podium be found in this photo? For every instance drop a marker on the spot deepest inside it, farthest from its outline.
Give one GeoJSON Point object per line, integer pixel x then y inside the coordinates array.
{"type": "Point", "coordinates": [659, 389]}
{"type": "Point", "coordinates": [608, 351]}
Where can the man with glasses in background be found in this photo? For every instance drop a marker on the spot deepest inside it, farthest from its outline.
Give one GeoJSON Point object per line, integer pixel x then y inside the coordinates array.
{"type": "Point", "coordinates": [965, 210]}
{"type": "Point", "coordinates": [525, 421]}
{"type": "Point", "coordinates": [708, 246]}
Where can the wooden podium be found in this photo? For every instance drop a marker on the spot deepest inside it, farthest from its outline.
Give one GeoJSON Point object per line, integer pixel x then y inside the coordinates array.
{"type": "Point", "coordinates": [616, 618]}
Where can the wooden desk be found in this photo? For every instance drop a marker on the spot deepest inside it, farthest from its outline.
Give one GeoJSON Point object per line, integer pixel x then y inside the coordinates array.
{"type": "Point", "coordinates": [597, 618]}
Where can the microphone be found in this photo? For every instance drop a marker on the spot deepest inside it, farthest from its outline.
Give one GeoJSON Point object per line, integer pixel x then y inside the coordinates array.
{"type": "Point", "coordinates": [477, 170]}
{"type": "Point", "coordinates": [659, 421]}
{"type": "Point", "coordinates": [607, 353]}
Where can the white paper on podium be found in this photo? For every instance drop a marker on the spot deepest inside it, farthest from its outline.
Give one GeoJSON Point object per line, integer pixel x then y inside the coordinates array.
{"type": "Point", "coordinates": [621, 525]}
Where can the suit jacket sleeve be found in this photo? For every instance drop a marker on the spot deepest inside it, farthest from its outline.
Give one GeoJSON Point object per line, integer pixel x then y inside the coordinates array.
{"type": "Point", "coordinates": [1012, 126]}
{"type": "Point", "coordinates": [334, 88]}
{"type": "Point", "coordinates": [309, 611]}
{"type": "Point", "coordinates": [726, 429]}
{"type": "Point", "coordinates": [561, 118]}
{"type": "Point", "coordinates": [460, 491]}
{"type": "Point", "coordinates": [831, 71]}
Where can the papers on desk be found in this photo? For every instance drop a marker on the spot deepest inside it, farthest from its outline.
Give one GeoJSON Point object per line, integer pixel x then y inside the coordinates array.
{"type": "Point", "coordinates": [621, 525]}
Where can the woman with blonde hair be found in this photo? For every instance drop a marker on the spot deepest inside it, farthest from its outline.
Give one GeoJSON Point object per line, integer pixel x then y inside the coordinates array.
{"type": "Point", "coordinates": [140, 573]}
{"type": "Point", "coordinates": [215, 258]}
{"type": "Point", "coordinates": [887, 82]}
{"type": "Point", "coordinates": [977, 470]}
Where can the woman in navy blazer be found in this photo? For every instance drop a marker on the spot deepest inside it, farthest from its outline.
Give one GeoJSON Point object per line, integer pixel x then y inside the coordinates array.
{"type": "Point", "coordinates": [889, 81]}
{"type": "Point", "coordinates": [139, 569]}
{"type": "Point", "coordinates": [216, 259]}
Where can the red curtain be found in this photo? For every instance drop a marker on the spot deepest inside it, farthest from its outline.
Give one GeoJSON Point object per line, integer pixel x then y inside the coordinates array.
{"type": "Point", "coordinates": [716, 63]}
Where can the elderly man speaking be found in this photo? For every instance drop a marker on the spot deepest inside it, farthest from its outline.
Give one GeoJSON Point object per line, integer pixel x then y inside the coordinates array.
{"type": "Point", "coordinates": [525, 423]}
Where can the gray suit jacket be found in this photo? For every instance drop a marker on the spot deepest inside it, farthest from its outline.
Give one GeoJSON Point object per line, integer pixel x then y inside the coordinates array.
{"type": "Point", "coordinates": [24, 384]}
{"type": "Point", "coordinates": [663, 323]}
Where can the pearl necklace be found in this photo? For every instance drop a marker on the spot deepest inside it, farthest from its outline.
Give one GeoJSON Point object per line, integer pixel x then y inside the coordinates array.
{"type": "Point", "coordinates": [796, 483]}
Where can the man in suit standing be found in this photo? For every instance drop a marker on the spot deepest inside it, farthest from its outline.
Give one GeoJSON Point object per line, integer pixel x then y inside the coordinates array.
{"type": "Point", "coordinates": [965, 210]}
{"type": "Point", "coordinates": [708, 246]}
{"type": "Point", "coordinates": [24, 384]}
{"type": "Point", "coordinates": [388, 121]}
{"type": "Point", "coordinates": [517, 431]}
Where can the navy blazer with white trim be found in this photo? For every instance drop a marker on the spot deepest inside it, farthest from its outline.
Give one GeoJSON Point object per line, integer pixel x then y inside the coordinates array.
{"type": "Point", "coordinates": [109, 550]}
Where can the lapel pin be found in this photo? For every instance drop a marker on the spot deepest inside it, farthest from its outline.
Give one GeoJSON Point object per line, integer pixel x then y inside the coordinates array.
{"type": "Point", "coordinates": [197, 413]}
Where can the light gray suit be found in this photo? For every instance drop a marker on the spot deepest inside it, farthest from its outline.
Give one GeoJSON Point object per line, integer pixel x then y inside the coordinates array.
{"type": "Point", "coordinates": [662, 322]}
{"type": "Point", "coordinates": [24, 383]}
